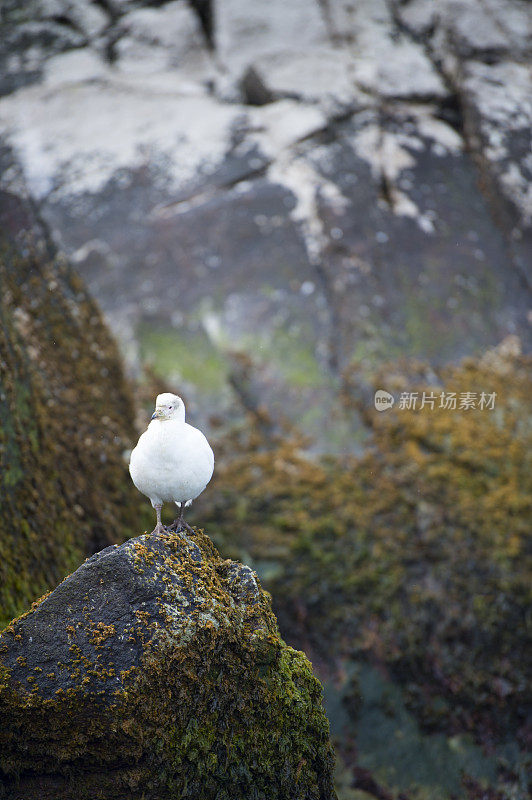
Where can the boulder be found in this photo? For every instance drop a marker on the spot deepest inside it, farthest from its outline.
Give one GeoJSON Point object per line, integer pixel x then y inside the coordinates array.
{"type": "Point", "coordinates": [65, 412]}
{"type": "Point", "coordinates": [156, 671]}
{"type": "Point", "coordinates": [412, 557]}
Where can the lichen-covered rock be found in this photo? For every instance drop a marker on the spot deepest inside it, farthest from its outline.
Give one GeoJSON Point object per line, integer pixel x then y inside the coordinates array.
{"type": "Point", "coordinates": [65, 414]}
{"type": "Point", "coordinates": [156, 671]}
{"type": "Point", "coordinates": [414, 556]}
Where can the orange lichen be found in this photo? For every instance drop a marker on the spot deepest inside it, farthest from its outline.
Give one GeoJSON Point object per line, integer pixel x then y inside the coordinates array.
{"type": "Point", "coordinates": [100, 632]}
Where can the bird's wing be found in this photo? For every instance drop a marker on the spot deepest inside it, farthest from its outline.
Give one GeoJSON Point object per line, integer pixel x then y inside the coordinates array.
{"type": "Point", "coordinates": [198, 443]}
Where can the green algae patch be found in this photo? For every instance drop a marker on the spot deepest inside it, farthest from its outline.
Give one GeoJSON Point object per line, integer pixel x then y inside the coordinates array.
{"type": "Point", "coordinates": [175, 355]}
{"type": "Point", "coordinates": [156, 670]}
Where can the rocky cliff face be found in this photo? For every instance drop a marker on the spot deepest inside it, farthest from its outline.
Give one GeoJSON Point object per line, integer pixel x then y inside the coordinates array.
{"type": "Point", "coordinates": [156, 671]}
{"type": "Point", "coordinates": [309, 185]}
{"type": "Point", "coordinates": [65, 413]}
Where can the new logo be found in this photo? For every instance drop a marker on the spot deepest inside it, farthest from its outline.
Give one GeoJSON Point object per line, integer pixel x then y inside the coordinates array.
{"type": "Point", "coordinates": [383, 400]}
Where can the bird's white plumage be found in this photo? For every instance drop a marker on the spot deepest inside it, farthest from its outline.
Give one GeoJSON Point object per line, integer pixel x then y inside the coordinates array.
{"type": "Point", "coordinates": [173, 461]}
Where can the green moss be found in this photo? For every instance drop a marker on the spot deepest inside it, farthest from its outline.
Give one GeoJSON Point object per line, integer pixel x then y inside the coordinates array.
{"type": "Point", "coordinates": [176, 354]}
{"type": "Point", "coordinates": [65, 420]}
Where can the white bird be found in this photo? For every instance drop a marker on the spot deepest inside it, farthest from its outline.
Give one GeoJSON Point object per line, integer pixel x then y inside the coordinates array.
{"type": "Point", "coordinates": [172, 462]}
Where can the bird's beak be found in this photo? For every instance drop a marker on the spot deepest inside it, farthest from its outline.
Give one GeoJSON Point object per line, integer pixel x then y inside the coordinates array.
{"type": "Point", "coordinates": [154, 415]}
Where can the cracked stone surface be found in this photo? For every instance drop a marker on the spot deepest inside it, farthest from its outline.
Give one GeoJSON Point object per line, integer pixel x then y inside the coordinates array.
{"type": "Point", "coordinates": [305, 185]}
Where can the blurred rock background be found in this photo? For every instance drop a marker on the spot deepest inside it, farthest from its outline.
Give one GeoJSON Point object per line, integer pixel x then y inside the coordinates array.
{"type": "Point", "coordinates": [280, 207]}
{"type": "Point", "coordinates": [305, 183]}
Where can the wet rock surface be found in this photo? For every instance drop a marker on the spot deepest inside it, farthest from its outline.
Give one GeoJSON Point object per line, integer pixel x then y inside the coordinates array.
{"type": "Point", "coordinates": [355, 162]}
{"type": "Point", "coordinates": [156, 670]}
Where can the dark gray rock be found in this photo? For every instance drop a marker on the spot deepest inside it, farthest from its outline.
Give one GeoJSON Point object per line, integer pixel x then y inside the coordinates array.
{"type": "Point", "coordinates": [416, 265]}
{"type": "Point", "coordinates": [156, 671]}
{"type": "Point", "coordinates": [498, 115]}
{"type": "Point", "coordinates": [484, 51]}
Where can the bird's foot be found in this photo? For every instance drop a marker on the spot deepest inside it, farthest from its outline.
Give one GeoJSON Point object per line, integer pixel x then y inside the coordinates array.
{"type": "Point", "coordinates": [159, 529]}
{"type": "Point", "coordinates": [187, 526]}
{"type": "Point", "coordinates": [179, 524]}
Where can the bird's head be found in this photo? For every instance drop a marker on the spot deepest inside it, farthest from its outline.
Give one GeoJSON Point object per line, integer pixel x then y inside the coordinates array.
{"type": "Point", "coordinates": [169, 406]}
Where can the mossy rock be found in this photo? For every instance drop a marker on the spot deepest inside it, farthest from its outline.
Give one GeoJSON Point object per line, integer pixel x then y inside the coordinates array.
{"type": "Point", "coordinates": [65, 417]}
{"type": "Point", "coordinates": [156, 670]}
{"type": "Point", "coordinates": [416, 554]}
